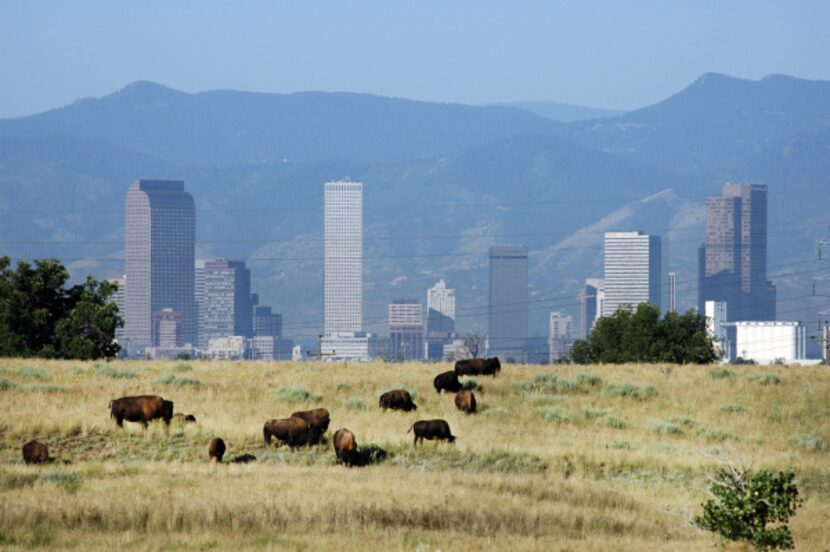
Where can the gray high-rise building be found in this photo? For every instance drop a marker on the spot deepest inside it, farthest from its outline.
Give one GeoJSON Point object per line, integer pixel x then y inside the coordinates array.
{"type": "Point", "coordinates": [227, 301]}
{"type": "Point", "coordinates": [508, 302]}
{"type": "Point", "coordinates": [733, 258]}
{"type": "Point", "coordinates": [633, 270]}
{"type": "Point", "coordinates": [343, 257]}
{"type": "Point", "coordinates": [590, 305]}
{"type": "Point", "coordinates": [266, 322]}
{"type": "Point", "coordinates": [440, 319]}
{"type": "Point", "coordinates": [406, 329]}
{"type": "Point", "coordinates": [160, 250]}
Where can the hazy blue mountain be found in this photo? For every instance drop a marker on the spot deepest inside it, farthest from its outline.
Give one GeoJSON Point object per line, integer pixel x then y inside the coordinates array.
{"type": "Point", "coordinates": [717, 122]}
{"type": "Point", "coordinates": [227, 127]}
{"type": "Point", "coordinates": [562, 112]}
{"type": "Point", "coordinates": [442, 183]}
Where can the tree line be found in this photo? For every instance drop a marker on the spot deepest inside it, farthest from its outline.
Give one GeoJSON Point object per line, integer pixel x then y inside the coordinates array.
{"type": "Point", "coordinates": [41, 317]}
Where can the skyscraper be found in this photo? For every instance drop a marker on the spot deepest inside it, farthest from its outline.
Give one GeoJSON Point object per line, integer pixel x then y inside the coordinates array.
{"type": "Point", "coordinates": [733, 257]}
{"type": "Point", "coordinates": [560, 339]}
{"type": "Point", "coordinates": [343, 257]}
{"type": "Point", "coordinates": [508, 301]}
{"type": "Point", "coordinates": [406, 329]}
{"type": "Point", "coordinates": [227, 301]}
{"type": "Point", "coordinates": [160, 249]}
{"type": "Point", "coordinates": [633, 270]}
{"type": "Point", "coordinates": [440, 319]}
{"type": "Point", "coordinates": [590, 305]}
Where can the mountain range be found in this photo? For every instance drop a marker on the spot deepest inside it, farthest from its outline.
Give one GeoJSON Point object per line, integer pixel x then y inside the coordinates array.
{"type": "Point", "coordinates": [442, 182]}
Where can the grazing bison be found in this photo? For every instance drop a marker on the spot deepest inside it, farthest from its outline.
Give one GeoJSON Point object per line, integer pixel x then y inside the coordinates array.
{"type": "Point", "coordinates": [431, 429]}
{"type": "Point", "coordinates": [345, 447]}
{"type": "Point", "coordinates": [216, 449]}
{"type": "Point", "coordinates": [35, 453]}
{"type": "Point", "coordinates": [447, 381]}
{"type": "Point", "coordinates": [465, 401]}
{"type": "Point", "coordinates": [399, 399]}
{"type": "Point", "coordinates": [478, 367]}
{"type": "Point", "coordinates": [317, 418]}
{"type": "Point", "coordinates": [143, 409]}
{"type": "Point", "coordinates": [243, 458]}
{"type": "Point", "coordinates": [294, 432]}
{"type": "Point", "coordinates": [182, 419]}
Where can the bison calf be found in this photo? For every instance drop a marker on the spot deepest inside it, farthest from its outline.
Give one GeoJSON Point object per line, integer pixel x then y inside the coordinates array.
{"type": "Point", "coordinates": [182, 419]}
{"type": "Point", "coordinates": [216, 449]}
{"type": "Point", "coordinates": [399, 399]}
{"type": "Point", "coordinates": [317, 418]}
{"type": "Point", "coordinates": [142, 409]}
{"type": "Point", "coordinates": [294, 432]}
{"type": "Point", "coordinates": [465, 401]}
{"type": "Point", "coordinates": [345, 447]}
{"type": "Point", "coordinates": [431, 429]}
{"type": "Point", "coordinates": [35, 452]}
{"type": "Point", "coordinates": [447, 381]}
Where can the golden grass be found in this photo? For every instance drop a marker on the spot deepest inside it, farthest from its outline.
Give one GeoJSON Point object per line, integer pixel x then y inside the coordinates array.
{"type": "Point", "coordinates": [559, 461]}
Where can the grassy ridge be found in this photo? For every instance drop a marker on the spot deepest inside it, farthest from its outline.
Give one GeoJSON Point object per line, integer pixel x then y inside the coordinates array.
{"type": "Point", "coordinates": [559, 457]}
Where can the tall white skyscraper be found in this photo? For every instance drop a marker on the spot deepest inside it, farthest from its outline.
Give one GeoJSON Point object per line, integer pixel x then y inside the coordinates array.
{"type": "Point", "coordinates": [440, 319]}
{"type": "Point", "coordinates": [343, 257]}
{"type": "Point", "coordinates": [633, 270]}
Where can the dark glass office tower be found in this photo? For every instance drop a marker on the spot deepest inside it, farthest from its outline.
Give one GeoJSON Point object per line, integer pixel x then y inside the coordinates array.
{"type": "Point", "coordinates": [508, 302]}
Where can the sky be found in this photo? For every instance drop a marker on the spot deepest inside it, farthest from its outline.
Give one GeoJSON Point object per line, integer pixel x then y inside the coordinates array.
{"type": "Point", "coordinates": [608, 54]}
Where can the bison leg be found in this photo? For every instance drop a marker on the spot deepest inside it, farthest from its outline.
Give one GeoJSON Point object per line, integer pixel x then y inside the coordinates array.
{"type": "Point", "coordinates": [119, 421]}
{"type": "Point", "coordinates": [266, 436]}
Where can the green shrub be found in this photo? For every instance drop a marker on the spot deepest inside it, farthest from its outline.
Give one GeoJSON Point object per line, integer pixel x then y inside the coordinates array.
{"type": "Point", "coordinates": [618, 445]}
{"type": "Point", "coordinates": [67, 481]}
{"type": "Point", "coordinates": [549, 383]}
{"type": "Point", "coordinates": [770, 379]}
{"type": "Point", "coordinates": [684, 421]}
{"type": "Point", "coordinates": [588, 380]}
{"type": "Point", "coordinates": [5, 384]}
{"type": "Point", "coordinates": [111, 372]}
{"type": "Point", "coordinates": [593, 413]}
{"type": "Point", "coordinates": [355, 402]}
{"type": "Point", "coordinates": [732, 408]}
{"type": "Point", "coordinates": [630, 390]}
{"type": "Point", "coordinates": [554, 415]}
{"type": "Point", "coordinates": [295, 394]}
{"type": "Point", "coordinates": [170, 379]}
{"type": "Point", "coordinates": [182, 367]}
{"type": "Point", "coordinates": [722, 373]}
{"type": "Point", "coordinates": [754, 508]}
{"type": "Point", "coordinates": [470, 384]}
{"type": "Point", "coordinates": [666, 428]}
{"type": "Point", "coordinates": [615, 423]}
{"type": "Point", "coordinates": [715, 434]}
{"type": "Point", "coordinates": [811, 442]}
{"type": "Point", "coordinates": [33, 372]}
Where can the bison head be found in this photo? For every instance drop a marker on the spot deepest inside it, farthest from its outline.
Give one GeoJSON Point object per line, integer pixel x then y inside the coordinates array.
{"type": "Point", "coordinates": [167, 410]}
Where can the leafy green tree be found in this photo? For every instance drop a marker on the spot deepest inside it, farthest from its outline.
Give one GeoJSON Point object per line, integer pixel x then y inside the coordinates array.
{"type": "Point", "coordinates": [641, 336]}
{"type": "Point", "coordinates": [87, 331]}
{"type": "Point", "coordinates": [752, 507]}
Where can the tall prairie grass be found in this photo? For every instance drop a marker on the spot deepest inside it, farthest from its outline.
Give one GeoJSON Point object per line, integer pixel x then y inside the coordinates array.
{"type": "Point", "coordinates": [559, 457]}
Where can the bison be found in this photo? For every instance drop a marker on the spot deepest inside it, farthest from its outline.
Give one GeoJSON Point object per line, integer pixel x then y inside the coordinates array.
{"type": "Point", "coordinates": [182, 419]}
{"type": "Point", "coordinates": [447, 381]}
{"type": "Point", "coordinates": [345, 447]}
{"type": "Point", "coordinates": [294, 432]}
{"type": "Point", "coordinates": [243, 458]}
{"type": "Point", "coordinates": [317, 418]}
{"type": "Point", "coordinates": [465, 401]}
{"type": "Point", "coordinates": [431, 429]}
{"type": "Point", "coordinates": [399, 399]}
{"type": "Point", "coordinates": [478, 367]}
{"type": "Point", "coordinates": [216, 450]}
{"type": "Point", "coordinates": [142, 409]}
{"type": "Point", "coordinates": [35, 452]}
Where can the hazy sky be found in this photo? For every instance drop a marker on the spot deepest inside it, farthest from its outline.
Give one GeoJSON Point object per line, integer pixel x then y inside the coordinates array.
{"type": "Point", "coordinates": [614, 54]}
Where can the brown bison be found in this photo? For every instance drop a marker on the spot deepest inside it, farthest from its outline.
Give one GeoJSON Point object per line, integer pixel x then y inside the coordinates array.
{"type": "Point", "coordinates": [345, 447]}
{"type": "Point", "coordinates": [431, 429]}
{"type": "Point", "coordinates": [182, 419]}
{"type": "Point", "coordinates": [478, 367]}
{"type": "Point", "coordinates": [216, 449]}
{"type": "Point", "coordinates": [399, 399]}
{"type": "Point", "coordinates": [243, 458]}
{"type": "Point", "coordinates": [465, 401]}
{"type": "Point", "coordinates": [35, 453]}
{"type": "Point", "coordinates": [294, 432]}
{"type": "Point", "coordinates": [447, 381]}
{"type": "Point", "coordinates": [318, 418]}
{"type": "Point", "coordinates": [142, 409]}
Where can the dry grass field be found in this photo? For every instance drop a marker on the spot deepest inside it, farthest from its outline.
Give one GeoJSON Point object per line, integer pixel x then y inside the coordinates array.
{"type": "Point", "coordinates": [558, 458]}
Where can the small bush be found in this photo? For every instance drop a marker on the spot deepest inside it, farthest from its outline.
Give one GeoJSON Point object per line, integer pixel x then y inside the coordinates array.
{"type": "Point", "coordinates": [355, 402]}
{"type": "Point", "coordinates": [67, 481]}
{"type": "Point", "coordinates": [588, 380]}
{"type": "Point", "coordinates": [5, 384]}
{"type": "Point", "coordinates": [170, 379]}
{"type": "Point", "coordinates": [295, 394]}
{"type": "Point", "coordinates": [111, 372]}
{"type": "Point", "coordinates": [684, 421]}
{"type": "Point", "coordinates": [754, 508]}
{"type": "Point", "coordinates": [615, 423]}
{"type": "Point", "coordinates": [182, 367]}
{"type": "Point", "coordinates": [715, 434]}
{"type": "Point", "coordinates": [723, 373]}
{"type": "Point", "coordinates": [770, 379]}
{"type": "Point", "coordinates": [33, 372]}
{"type": "Point", "coordinates": [471, 384]}
{"type": "Point", "coordinates": [810, 442]}
{"type": "Point", "coordinates": [630, 390]}
{"type": "Point", "coordinates": [620, 445]}
{"type": "Point", "coordinates": [667, 428]}
{"type": "Point", "coordinates": [593, 413]}
{"type": "Point", "coordinates": [554, 415]}
{"type": "Point", "coordinates": [732, 408]}
{"type": "Point", "coordinates": [549, 383]}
